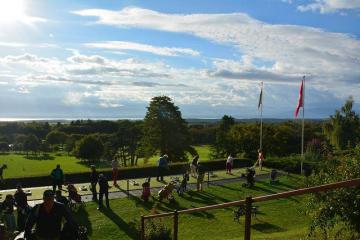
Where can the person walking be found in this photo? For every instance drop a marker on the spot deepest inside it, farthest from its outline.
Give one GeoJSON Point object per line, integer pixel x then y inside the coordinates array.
{"type": "Point", "coordinates": [22, 206]}
{"type": "Point", "coordinates": [57, 177]}
{"type": "Point", "coordinates": [260, 158]}
{"type": "Point", "coordinates": [162, 167]}
{"type": "Point", "coordinates": [115, 171]}
{"type": "Point", "coordinates": [104, 190]}
{"type": "Point", "coordinates": [4, 166]}
{"type": "Point", "coordinates": [200, 177]}
{"type": "Point", "coordinates": [229, 164]}
{"type": "Point", "coordinates": [48, 217]}
{"type": "Point", "coordinates": [94, 177]}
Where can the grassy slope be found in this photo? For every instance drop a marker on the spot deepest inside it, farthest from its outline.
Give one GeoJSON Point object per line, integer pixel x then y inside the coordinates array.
{"type": "Point", "coordinates": [280, 219]}
{"type": "Point", "coordinates": [20, 166]}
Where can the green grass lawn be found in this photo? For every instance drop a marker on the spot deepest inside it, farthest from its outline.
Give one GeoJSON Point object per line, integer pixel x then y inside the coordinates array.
{"type": "Point", "coordinates": [282, 219]}
{"type": "Point", "coordinates": [20, 165]}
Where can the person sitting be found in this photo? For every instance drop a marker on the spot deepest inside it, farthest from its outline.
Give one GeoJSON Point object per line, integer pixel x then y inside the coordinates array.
{"type": "Point", "coordinates": [47, 217]}
{"type": "Point", "coordinates": [60, 198]}
{"type": "Point", "coordinates": [22, 206]}
{"type": "Point", "coordinates": [8, 210]}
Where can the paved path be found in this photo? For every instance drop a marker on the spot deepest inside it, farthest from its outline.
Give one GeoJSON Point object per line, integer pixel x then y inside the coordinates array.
{"type": "Point", "coordinates": [121, 193]}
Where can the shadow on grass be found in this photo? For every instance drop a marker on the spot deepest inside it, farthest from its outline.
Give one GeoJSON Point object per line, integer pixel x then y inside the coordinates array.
{"type": "Point", "coordinates": [39, 157]}
{"type": "Point", "coordinates": [267, 228]}
{"type": "Point", "coordinates": [129, 228]}
{"type": "Point", "coordinates": [82, 219]}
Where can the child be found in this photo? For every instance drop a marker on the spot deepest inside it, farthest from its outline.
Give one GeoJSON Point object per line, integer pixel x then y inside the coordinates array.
{"type": "Point", "coordinates": [146, 190]}
{"type": "Point", "coordinates": [260, 158]}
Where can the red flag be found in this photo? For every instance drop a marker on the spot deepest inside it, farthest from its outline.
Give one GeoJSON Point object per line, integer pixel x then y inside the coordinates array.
{"type": "Point", "coordinates": [301, 99]}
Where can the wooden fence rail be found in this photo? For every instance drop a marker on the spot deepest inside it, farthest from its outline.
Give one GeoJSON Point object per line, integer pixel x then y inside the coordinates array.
{"type": "Point", "coordinates": [248, 205]}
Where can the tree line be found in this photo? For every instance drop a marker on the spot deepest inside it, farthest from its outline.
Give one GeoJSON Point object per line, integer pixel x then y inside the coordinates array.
{"type": "Point", "coordinates": [163, 130]}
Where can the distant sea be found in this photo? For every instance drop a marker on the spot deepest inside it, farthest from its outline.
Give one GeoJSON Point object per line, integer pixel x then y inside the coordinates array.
{"type": "Point", "coordinates": [51, 119]}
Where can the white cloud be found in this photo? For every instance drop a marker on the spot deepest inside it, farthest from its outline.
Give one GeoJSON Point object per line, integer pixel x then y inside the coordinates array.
{"type": "Point", "coordinates": [329, 6]}
{"type": "Point", "coordinates": [165, 51]}
{"type": "Point", "coordinates": [293, 50]}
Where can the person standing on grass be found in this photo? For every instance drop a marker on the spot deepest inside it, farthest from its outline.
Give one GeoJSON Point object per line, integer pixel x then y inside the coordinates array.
{"type": "Point", "coordinates": [229, 164]}
{"type": "Point", "coordinates": [57, 177]}
{"type": "Point", "coordinates": [8, 209]}
{"type": "Point", "coordinates": [194, 165]}
{"type": "Point", "coordinates": [162, 167]}
{"type": "Point", "coordinates": [260, 158]}
{"type": "Point", "coordinates": [4, 166]}
{"type": "Point", "coordinates": [115, 171]}
{"type": "Point", "coordinates": [104, 190]}
{"type": "Point", "coordinates": [22, 207]}
{"type": "Point", "coordinates": [200, 177]}
{"type": "Point", "coordinates": [94, 176]}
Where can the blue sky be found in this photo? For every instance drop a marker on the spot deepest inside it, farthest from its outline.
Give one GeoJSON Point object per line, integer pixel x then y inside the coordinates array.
{"type": "Point", "coordinates": [81, 59]}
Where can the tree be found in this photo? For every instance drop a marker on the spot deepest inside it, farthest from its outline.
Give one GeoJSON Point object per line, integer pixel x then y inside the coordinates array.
{"type": "Point", "coordinates": [4, 147]}
{"type": "Point", "coordinates": [31, 144]}
{"type": "Point", "coordinates": [342, 130]}
{"type": "Point", "coordinates": [223, 144]}
{"type": "Point", "coordinates": [90, 148]}
{"type": "Point", "coordinates": [56, 137]}
{"type": "Point", "coordinates": [165, 131]}
{"type": "Point", "coordinates": [337, 210]}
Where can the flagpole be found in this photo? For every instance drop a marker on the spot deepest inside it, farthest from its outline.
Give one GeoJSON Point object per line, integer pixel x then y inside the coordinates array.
{"type": "Point", "coordinates": [302, 129]}
{"type": "Point", "coordinates": [261, 115]}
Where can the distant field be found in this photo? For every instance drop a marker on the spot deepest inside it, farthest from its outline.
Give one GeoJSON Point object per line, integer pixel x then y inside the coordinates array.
{"type": "Point", "coordinates": [19, 165]}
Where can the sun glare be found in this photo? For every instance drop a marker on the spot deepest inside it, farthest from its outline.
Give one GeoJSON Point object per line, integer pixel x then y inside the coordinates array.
{"type": "Point", "coordinates": [12, 11]}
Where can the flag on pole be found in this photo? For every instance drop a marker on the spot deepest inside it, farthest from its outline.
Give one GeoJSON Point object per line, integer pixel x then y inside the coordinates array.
{"type": "Point", "coordinates": [301, 99]}
{"type": "Point", "coordinates": [261, 96]}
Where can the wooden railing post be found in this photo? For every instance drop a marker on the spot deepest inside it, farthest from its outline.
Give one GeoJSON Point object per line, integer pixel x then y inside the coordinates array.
{"type": "Point", "coordinates": [142, 237]}
{"type": "Point", "coordinates": [176, 224]}
{"type": "Point", "coordinates": [248, 207]}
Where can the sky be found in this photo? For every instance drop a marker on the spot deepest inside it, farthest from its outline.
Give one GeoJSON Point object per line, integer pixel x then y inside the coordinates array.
{"type": "Point", "coordinates": [107, 59]}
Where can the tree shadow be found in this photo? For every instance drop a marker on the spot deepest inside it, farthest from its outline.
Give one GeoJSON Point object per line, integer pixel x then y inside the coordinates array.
{"type": "Point", "coordinates": [267, 228]}
{"type": "Point", "coordinates": [129, 228]}
{"type": "Point", "coordinates": [258, 188]}
{"type": "Point", "coordinates": [98, 165]}
{"type": "Point", "coordinates": [82, 219]}
{"type": "Point", "coordinates": [43, 157]}
{"type": "Point", "coordinates": [138, 201]}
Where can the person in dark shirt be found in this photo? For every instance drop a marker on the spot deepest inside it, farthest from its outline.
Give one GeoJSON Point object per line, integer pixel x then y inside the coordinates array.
{"type": "Point", "coordinates": [22, 207]}
{"type": "Point", "coordinates": [60, 198]}
{"type": "Point", "coordinates": [57, 177]}
{"type": "Point", "coordinates": [200, 177]}
{"type": "Point", "coordinates": [8, 210]}
{"type": "Point", "coordinates": [94, 176]}
{"type": "Point", "coordinates": [104, 190]}
{"type": "Point", "coordinates": [47, 217]}
{"type": "Point", "coordinates": [4, 166]}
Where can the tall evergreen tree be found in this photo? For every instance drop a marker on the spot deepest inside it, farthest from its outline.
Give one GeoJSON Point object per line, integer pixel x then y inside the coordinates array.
{"type": "Point", "coordinates": [342, 129]}
{"type": "Point", "coordinates": [165, 131]}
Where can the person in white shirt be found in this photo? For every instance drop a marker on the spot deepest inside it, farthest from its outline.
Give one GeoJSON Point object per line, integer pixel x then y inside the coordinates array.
{"type": "Point", "coordinates": [229, 164]}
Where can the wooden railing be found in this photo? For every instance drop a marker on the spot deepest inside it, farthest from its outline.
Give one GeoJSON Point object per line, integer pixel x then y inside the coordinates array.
{"type": "Point", "coordinates": [248, 205]}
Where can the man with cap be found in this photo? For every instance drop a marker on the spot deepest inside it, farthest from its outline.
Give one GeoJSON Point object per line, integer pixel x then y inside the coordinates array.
{"type": "Point", "coordinates": [47, 217]}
